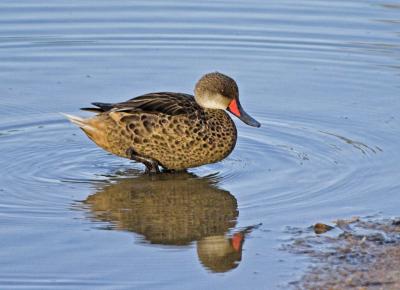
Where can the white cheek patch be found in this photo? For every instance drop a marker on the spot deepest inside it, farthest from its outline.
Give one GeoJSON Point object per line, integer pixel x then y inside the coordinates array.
{"type": "Point", "coordinates": [215, 101]}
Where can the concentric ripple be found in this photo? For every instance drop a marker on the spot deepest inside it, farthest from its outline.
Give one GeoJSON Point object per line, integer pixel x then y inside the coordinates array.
{"type": "Point", "coordinates": [49, 152]}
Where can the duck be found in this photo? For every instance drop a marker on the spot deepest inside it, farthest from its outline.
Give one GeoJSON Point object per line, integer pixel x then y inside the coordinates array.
{"type": "Point", "coordinates": [174, 131]}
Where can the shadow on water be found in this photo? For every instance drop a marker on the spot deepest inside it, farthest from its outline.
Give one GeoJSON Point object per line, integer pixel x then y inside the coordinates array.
{"type": "Point", "coordinates": [174, 210]}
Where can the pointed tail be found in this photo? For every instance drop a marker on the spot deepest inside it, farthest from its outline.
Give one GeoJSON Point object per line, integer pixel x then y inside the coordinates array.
{"type": "Point", "coordinates": [85, 124]}
{"type": "Point", "coordinates": [93, 128]}
{"type": "Point", "coordinates": [76, 120]}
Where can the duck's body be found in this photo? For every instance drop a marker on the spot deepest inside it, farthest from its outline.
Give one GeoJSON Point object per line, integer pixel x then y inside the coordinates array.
{"type": "Point", "coordinates": [168, 129]}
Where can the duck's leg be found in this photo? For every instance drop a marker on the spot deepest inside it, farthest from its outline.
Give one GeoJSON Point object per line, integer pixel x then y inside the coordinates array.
{"type": "Point", "coordinates": [151, 164]}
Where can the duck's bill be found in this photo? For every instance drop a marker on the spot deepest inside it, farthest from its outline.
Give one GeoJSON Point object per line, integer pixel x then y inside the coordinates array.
{"type": "Point", "coordinates": [236, 109]}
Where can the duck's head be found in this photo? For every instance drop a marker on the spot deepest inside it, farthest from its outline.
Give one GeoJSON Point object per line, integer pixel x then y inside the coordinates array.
{"type": "Point", "coordinates": [218, 91]}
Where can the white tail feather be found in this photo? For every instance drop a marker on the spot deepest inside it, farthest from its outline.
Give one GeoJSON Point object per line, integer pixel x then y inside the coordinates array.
{"type": "Point", "coordinates": [76, 120]}
{"type": "Point", "coordinates": [82, 123]}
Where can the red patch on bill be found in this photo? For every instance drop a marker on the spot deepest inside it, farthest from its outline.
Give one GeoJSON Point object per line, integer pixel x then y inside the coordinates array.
{"type": "Point", "coordinates": [233, 107]}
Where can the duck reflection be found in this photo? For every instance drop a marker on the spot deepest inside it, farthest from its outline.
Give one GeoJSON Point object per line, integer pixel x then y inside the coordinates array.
{"type": "Point", "coordinates": [175, 209]}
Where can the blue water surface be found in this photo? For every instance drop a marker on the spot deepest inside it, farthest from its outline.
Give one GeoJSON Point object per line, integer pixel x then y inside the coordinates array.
{"type": "Point", "coordinates": [321, 76]}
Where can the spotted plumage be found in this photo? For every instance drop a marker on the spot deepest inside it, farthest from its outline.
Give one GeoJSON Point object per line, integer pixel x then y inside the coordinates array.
{"type": "Point", "coordinates": [172, 130]}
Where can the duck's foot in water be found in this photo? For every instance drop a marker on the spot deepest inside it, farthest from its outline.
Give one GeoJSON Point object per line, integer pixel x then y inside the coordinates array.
{"type": "Point", "coordinates": [151, 164]}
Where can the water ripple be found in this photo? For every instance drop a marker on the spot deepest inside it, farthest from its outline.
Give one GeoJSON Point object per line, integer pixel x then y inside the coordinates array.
{"type": "Point", "coordinates": [50, 151]}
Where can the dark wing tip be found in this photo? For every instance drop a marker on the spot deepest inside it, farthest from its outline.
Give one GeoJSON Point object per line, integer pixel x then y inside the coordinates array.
{"type": "Point", "coordinates": [103, 106]}
{"type": "Point", "coordinates": [94, 110]}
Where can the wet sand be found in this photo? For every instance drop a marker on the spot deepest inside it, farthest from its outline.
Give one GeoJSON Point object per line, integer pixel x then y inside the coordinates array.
{"type": "Point", "coordinates": [360, 254]}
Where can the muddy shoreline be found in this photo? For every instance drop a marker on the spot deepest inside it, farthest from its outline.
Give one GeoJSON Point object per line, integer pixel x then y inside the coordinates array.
{"type": "Point", "coordinates": [355, 254]}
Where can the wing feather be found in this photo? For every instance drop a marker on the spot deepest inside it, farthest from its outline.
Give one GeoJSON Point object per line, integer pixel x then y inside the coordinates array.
{"type": "Point", "coordinates": [163, 102]}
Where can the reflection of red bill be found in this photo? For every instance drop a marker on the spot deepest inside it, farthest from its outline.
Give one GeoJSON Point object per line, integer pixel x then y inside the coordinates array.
{"type": "Point", "coordinates": [237, 240]}
{"type": "Point", "coordinates": [234, 108]}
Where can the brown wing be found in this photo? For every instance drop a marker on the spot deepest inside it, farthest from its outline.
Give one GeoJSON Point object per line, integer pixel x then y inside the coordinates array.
{"type": "Point", "coordinates": [163, 102]}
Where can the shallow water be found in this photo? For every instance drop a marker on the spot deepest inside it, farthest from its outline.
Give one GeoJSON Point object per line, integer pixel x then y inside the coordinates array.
{"type": "Point", "coordinates": [322, 78]}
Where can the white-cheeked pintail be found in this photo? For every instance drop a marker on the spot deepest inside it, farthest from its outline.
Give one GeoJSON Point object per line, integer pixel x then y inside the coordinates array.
{"type": "Point", "coordinates": [172, 130]}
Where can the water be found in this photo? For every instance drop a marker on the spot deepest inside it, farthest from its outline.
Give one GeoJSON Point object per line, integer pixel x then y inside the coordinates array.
{"type": "Point", "coordinates": [322, 78]}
